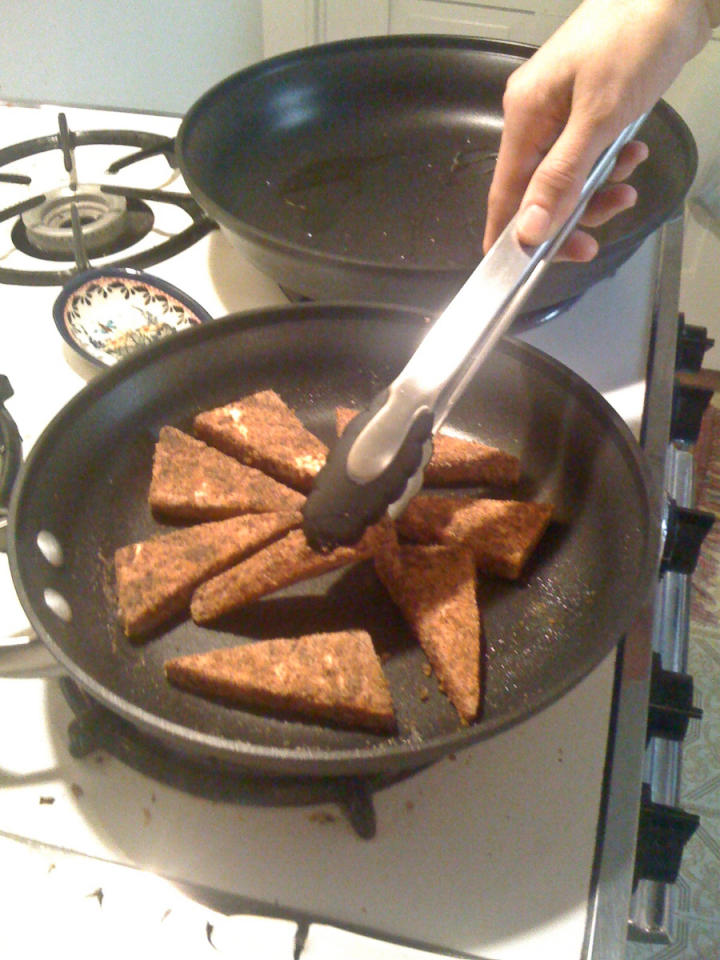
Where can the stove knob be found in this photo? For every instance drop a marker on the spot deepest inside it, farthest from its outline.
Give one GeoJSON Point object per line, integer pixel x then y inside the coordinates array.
{"type": "Point", "coordinates": [663, 832]}
{"type": "Point", "coordinates": [693, 386]}
{"type": "Point", "coordinates": [671, 702]}
{"type": "Point", "coordinates": [689, 402]}
{"type": "Point", "coordinates": [685, 531]}
{"type": "Point", "coordinates": [693, 342]}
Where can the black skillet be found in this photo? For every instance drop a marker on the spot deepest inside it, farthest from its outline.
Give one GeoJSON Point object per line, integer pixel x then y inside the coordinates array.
{"type": "Point", "coordinates": [359, 170]}
{"type": "Point", "coordinates": [85, 484]}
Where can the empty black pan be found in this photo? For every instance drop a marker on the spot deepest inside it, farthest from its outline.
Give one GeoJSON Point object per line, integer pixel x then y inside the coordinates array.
{"type": "Point", "coordinates": [359, 170]}
{"type": "Point", "coordinates": [83, 492]}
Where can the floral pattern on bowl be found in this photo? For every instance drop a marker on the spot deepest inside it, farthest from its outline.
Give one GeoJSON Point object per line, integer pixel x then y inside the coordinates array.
{"type": "Point", "coordinates": [110, 316]}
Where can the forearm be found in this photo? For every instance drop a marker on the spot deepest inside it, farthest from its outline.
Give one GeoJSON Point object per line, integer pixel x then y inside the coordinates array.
{"type": "Point", "coordinates": [713, 12]}
{"type": "Point", "coordinates": [674, 29]}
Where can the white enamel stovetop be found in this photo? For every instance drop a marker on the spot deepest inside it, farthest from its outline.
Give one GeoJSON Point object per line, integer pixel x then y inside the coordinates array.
{"type": "Point", "coordinates": [488, 853]}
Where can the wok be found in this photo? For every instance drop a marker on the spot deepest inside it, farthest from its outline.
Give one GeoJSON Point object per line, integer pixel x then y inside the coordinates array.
{"type": "Point", "coordinates": [86, 480]}
{"type": "Point", "coordinates": [359, 170]}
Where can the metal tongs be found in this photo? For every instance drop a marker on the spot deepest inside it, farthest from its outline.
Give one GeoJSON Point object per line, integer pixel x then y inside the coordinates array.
{"type": "Point", "coordinates": [377, 465]}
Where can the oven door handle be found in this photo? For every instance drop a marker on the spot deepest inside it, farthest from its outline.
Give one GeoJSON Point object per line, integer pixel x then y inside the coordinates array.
{"type": "Point", "coordinates": [25, 657]}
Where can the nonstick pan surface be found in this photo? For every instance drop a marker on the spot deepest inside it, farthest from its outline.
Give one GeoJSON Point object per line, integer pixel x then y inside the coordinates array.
{"type": "Point", "coordinates": [85, 484]}
{"type": "Point", "coordinates": [359, 170]}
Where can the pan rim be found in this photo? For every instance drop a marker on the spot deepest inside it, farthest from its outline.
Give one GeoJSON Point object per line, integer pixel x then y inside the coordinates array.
{"type": "Point", "coordinates": [369, 759]}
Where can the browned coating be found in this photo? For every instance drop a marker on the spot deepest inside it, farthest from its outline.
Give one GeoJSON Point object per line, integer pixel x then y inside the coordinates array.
{"type": "Point", "coordinates": [278, 565]}
{"type": "Point", "coordinates": [155, 578]}
{"type": "Point", "coordinates": [502, 534]}
{"type": "Point", "coordinates": [192, 481]}
{"type": "Point", "coordinates": [434, 587]}
{"type": "Point", "coordinates": [334, 676]}
{"type": "Point", "coordinates": [263, 432]}
{"type": "Point", "coordinates": [455, 460]}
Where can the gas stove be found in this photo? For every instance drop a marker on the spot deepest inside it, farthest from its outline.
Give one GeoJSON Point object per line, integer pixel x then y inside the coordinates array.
{"type": "Point", "coordinates": [455, 857]}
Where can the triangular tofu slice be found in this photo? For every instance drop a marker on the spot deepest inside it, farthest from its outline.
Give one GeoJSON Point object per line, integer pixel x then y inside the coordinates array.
{"type": "Point", "coordinates": [193, 481]}
{"type": "Point", "coordinates": [321, 676]}
{"type": "Point", "coordinates": [155, 578]}
{"type": "Point", "coordinates": [456, 460]}
{"type": "Point", "coordinates": [502, 534]}
{"type": "Point", "coordinates": [263, 432]}
{"type": "Point", "coordinates": [278, 565]}
{"type": "Point", "coordinates": [434, 587]}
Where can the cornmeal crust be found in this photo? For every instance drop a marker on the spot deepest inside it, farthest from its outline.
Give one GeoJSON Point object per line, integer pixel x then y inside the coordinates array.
{"type": "Point", "coordinates": [155, 578]}
{"type": "Point", "coordinates": [325, 676]}
{"type": "Point", "coordinates": [502, 534]}
{"type": "Point", "coordinates": [434, 587]}
{"type": "Point", "coordinates": [263, 432]}
{"type": "Point", "coordinates": [193, 481]}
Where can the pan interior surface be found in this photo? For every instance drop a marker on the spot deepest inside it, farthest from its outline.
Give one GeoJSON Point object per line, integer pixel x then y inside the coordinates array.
{"type": "Point", "coordinates": [86, 484]}
{"type": "Point", "coordinates": [303, 157]}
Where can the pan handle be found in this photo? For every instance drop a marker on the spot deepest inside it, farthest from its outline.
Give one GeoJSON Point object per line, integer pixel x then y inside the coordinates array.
{"type": "Point", "coordinates": [28, 659]}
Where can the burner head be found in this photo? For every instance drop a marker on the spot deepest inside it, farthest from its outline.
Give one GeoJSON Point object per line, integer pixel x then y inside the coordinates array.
{"type": "Point", "coordinates": [103, 219]}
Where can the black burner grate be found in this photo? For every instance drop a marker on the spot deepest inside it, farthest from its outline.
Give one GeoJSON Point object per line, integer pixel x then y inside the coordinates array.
{"type": "Point", "coordinates": [139, 222]}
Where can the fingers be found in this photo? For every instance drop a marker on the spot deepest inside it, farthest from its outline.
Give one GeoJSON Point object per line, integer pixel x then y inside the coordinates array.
{"type": "Point", "coordinates": [552, 191]}
{"type": "Point", "coordinates": [631, 156]}
{"type": "Point", "coordinates": [604, 205]}
{"type": "Point", "coordinates": [607, 203]}
{"type": "Point", "coordinates": [547, 149]}
{"type": "Point", "coordinates": [536, 176]}
{"type": "Point", "coordinates": [506, 191]}
{"type": "Point", "coordinates": [530, 129]}
{"type": "Point", "coordinates": [555, 186]}
{"type": "Point", "coordinates": [580, 247]}
{"type": "Point", "coordinates": [608, 62]}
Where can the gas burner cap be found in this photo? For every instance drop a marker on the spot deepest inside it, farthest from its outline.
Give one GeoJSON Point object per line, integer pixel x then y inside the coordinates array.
{"type": "Point", "coordinates": [102, 218]}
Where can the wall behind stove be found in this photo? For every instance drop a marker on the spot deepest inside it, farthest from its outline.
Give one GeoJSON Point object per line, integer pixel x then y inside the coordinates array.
{"type": "Point", "coordinates": [157, 55]}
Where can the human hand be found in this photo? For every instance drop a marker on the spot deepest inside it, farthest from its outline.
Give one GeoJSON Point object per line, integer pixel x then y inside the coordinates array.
{"type": "Point", "coordinates": [609, 62]}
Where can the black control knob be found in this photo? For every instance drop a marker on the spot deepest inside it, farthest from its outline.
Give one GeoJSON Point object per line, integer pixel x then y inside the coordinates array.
{"type": "Point", "coordinates": [689, 403]}
{"type": "Point", "coordinates": [686, 528]}
{"type": "Point", "coordinates": [663, 832]}
{"type": "Point", "coordinates": [671, 702]}
{"type": "Point", "coordinates": [693, 343]}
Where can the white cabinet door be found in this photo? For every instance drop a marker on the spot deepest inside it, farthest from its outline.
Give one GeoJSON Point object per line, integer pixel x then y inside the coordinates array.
{"type": "Point", "coordinates": [530, 22]}
{"type": "Point", "coordinates": [288, 24]}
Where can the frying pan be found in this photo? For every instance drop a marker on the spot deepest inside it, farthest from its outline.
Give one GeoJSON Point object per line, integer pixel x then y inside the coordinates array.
{"type": "Point", "coordinates": [359, 170]}
{"type": "Point", "coordinates": [83, 489]}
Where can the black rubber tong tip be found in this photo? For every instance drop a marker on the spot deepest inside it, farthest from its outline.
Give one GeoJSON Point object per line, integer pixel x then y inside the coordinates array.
{"type": "Point", "coordinates": [338, 510]}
